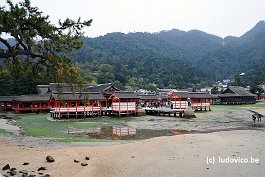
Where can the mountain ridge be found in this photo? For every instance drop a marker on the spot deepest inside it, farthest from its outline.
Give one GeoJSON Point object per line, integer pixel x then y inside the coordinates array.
{"type": "Point", "coordinates": [173, 58]}
{"type": "Point", "coordinates": [210, 56]}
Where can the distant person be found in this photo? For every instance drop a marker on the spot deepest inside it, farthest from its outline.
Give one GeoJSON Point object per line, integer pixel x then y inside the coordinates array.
{"type": "Point", "coordinates": [189, 104]}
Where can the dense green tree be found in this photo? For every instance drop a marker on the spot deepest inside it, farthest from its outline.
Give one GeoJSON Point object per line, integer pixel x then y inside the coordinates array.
{"type": "Point", "coordinates": [238, 80]}
{"type": "Point", "coordinates": [106, 74]}
{"type": "Point", "coordinates": [38, 44]}
{"type": "Point", "coordinates": [118, 85]}
{"type": "Point", "coordinates": [214, 90]}
{"type": "Point", "coordinates": [135, 83]}
{"type": "Point", "coordinates": [255, 89]}
{"type": "Point", "coordinates": [5, 82]}
{"type": "Point", "coordinates": [150, 87]}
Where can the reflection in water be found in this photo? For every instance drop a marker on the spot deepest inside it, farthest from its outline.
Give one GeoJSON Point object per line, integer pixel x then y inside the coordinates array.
{"type": "Point", "coordinates": [125, 133]}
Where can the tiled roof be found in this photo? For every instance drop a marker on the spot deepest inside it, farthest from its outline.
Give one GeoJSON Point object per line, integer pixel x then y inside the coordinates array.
{"type": "Point", "coordinates": [96, 96]}
{"type": "Point", "coordinates": [200, 95]}
{"type": "Point", "coordinates": [67, 88]}
{"type": "Point", "coordinates": [193, 94]}
{"type": "Point", "coordinates": [73, 88]}
{"type": "Point", "coordinates": [7, 98]}
{"type": "Point", "coordinates": [125, 95]}
{"type": "Point", "coordinates": [42, 89]}
{"type": "Point", "coordinates": [100, 87]}
{"type": "Point", "coordinates": [182, 94]}
{"type": "Point", "coordinates": [149, 97]}
{"type": "Point", "coordinates": [78, 96]}
{"type": "Point", "coordinates": [35, 97]}
{"type": "Point", "coordinates": [234, 91]}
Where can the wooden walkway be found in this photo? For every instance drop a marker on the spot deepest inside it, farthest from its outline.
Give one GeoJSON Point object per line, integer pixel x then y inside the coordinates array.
{"type": "Point", "coordinates": [164, 111]}
{"type": "Point", "coordinates": [81, 112]}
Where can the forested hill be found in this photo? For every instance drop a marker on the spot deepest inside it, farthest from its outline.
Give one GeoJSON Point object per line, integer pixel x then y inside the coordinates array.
{"type": "Point", "coordinates": [174, 57]}
{"type": "Point", "coordinates": [166, 59]}
{"type": "Point", "coordinates": [240, 54]}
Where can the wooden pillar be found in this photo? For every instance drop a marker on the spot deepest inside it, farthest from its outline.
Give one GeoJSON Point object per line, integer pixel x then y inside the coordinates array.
{"type": "Point", "coordinates": [84, 109]}
{"type": "Point", "coordinates": [119, 108]}
{"type": "Point", "coordinates": [180, 102]}
{"type": "Point", "coordinates": [127, 107]}
{"type": "Point", "coordinates": [135, 103]}
{"type": "Point", "coordinates": [93, 106]}
{"type": "Point", "coordinates": [205, 103]}
{"type": "Point", "coordinates": [68, 103]}
{"type": "Point", "coordinates": [76, 104]}
{"type": "Point", "coordinates": [180, 114]}
{"type": "Point", "coordinates": [111, 105]}
{"type": "Point", "coordinates": [201, 103]}
{"type": "Point", "coordinates": [59, 109]}
{"type": "Point", "coordinates": [49, 104]}
{"type": "Point", "coordinates": [100, 107]}
{"type": "Point", "coordinates": [210, 104]}
{"type": "Point", "coordinates": [174, 103]}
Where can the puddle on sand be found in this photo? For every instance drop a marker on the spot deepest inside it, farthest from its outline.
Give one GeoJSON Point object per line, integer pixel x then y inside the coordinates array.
{"type": "Point", "coordinates": [125, 133]}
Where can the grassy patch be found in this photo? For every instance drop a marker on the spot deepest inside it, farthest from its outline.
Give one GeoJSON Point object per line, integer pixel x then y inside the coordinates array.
{"type": "Point", "coordinates": [258, 105]}
{"type": "Point", "coordinates": [40, 126]}
{"type": "Point", "coordinates": [4, 132]}
{"type": "Point", "coordinates": [37, 125]}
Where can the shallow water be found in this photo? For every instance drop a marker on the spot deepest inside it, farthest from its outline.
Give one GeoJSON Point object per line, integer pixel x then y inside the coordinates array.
{"type": "Point", "coordinates": [125, 133]}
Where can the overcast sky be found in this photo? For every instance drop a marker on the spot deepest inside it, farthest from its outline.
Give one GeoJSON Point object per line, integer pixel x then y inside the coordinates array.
{"type": "Point", "coordinates": [218, 17]}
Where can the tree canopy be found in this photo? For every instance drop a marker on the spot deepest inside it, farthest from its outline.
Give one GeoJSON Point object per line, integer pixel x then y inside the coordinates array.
{"type": "Point", "coordinates": [175, 58]}
{"type": "Point", "coordinates": [37, 45]}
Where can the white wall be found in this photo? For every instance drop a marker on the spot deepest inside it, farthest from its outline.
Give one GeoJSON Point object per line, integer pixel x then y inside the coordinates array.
{"type": "Point", "coordinates": [124, 106]}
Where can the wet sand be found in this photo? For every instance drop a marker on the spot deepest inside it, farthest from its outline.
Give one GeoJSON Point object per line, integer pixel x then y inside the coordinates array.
{"type": "Point", "coordinates": [239, 118]}
{"type": "Point", "coordinates": [181, 155]}
{"type": "Point", "coordinates": [7, 125]}
{"type": "Point", "coordinates": [168, 156]}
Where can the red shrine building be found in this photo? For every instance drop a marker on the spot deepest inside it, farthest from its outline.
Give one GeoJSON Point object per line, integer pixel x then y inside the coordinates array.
{"type": "Point", "coordinates": [124, 102]}
{"type": "Point", "coordinates": [33, 103]}
{"type": "Point", "coordinates": [194, 100]}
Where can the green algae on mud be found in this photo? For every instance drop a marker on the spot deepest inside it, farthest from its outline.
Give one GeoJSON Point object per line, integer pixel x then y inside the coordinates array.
{"type": "Point", "coordinates": [222, 117]}
{"type": "Point", "coordinates": [5, 132]}
{"type": "Point", "coordinates": [85, 130]}
{"type": "Point", "coordinates": [39, 125]}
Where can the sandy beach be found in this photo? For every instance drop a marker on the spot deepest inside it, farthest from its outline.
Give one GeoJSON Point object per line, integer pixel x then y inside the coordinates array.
{"type": "Point", "coordinates": [182, 155]}
{"type": "Point", "coordinates": [222, 153]}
